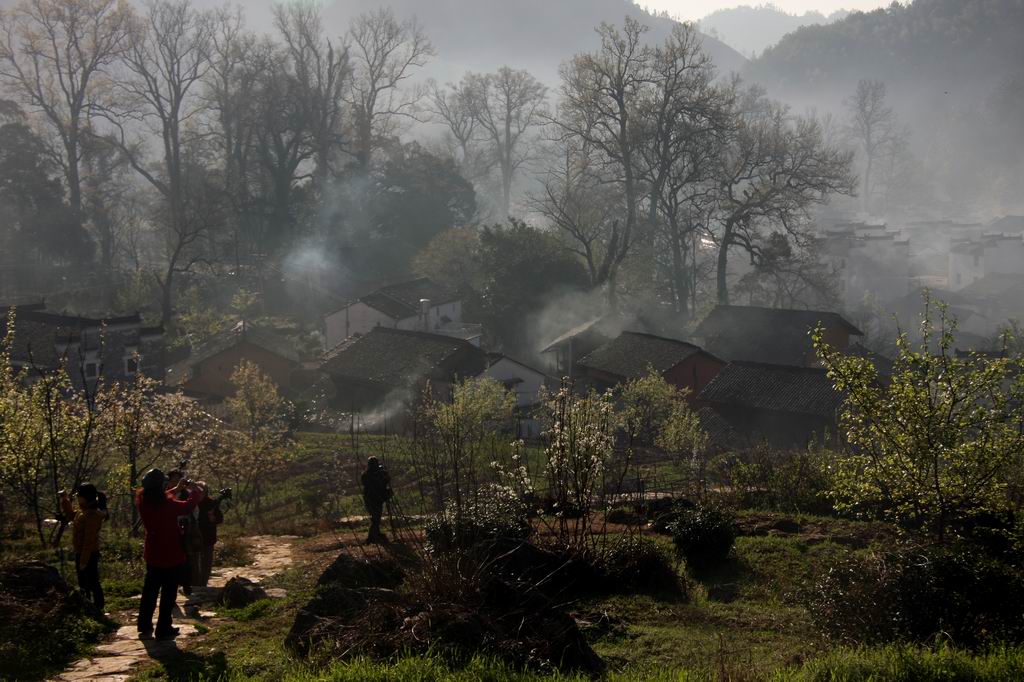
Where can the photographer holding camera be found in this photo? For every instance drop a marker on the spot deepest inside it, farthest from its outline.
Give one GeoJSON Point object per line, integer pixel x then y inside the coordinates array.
{"type": "Point", "coordinates": [86, 523]}
{"type": "Point", "coordinates": [164, 553]}
{"type": "Point", "coordinates": [210, 516]}
{"type": "Point", "coordinates": [191, 540]}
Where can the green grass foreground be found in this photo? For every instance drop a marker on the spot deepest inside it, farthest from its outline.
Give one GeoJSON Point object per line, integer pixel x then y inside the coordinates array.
{"type": "Point", "coordinates": [890, 664]}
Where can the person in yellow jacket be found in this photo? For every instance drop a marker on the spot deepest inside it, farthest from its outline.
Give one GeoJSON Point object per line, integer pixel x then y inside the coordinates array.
{"type": "Point", "coordinates": [86, 522]}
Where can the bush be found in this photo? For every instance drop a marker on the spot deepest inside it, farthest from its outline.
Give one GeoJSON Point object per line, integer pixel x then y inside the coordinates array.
{"type": "Point", "coordinates": [493, 513]}
{"type": "Point", "coordinates": [45, 624]}
{"type": "Point", "coordinates": [636, 564]}
{"type": "Point", "coordinates": [703, 535]}
{"type": "Point", "coordinates": [915, 594]}
{"type": "Point", "coordinates": [794, 481]}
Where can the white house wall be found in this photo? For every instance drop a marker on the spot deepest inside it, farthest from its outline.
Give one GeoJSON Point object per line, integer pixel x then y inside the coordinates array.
{"type": "Point", "coordinates": [357, 318]}
{"type": "Point", "coordinates": [361, 319]}
{"type": "Point", "coordinates": [528, 391]}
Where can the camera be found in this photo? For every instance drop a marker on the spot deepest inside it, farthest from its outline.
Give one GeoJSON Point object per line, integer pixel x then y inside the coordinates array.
{"type": "Point", "coordinates": [225, 494]}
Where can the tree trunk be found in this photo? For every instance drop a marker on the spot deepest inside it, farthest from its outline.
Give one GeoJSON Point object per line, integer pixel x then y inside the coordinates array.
{"type": "Point", "coordinates": [867, 181]}
{"type": "Point", "coordinates": [74, 178]}
{"type": "Point", "coordinates": [723, 266]}
{"type": "Point", "coordinates": [166, 299]}
{"type": "Point", "coordinates": [680, 278]}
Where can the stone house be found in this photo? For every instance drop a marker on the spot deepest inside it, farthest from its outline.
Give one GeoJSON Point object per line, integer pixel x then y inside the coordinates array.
{"type": "Point", "coordinates": [419, 304]}
{"type": "Point", "coordinates": [785, 406]}
{"type": "Point", "coordinates": [93, 349]}
{"type": "Point", "coordinates": [387, 369]}
{"type": "Point", "coordinates": [206, 372]}
{"type": "Point", "coordinates": [633, 354]}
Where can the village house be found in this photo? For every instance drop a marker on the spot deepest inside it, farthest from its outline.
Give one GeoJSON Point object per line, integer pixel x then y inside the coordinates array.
{"type": "Point", "coordinates": [870, 260]}
{"type": "Point", "coordinates": [771, 335]}
{"type": "Point", "coordinates": [784, 406]}
{"type": "Point", "coordinates": [633, 354]}
{"type": "Point", "coordinates": [526, 382]}
{"type": "Point", "coordinates": [566, 349]}
{"type": "Point", "coordinates": [387, 369]}
{"type": "Point", "coordinates": [991, 254]}
{"type": "Point", "coordinates": [419, 304]}
{"type": "Point", "coordinates": [111, 349]}
{"type": "Point", "coordinates": [206, 372]}
{"type": "Point", "coordinates": [994, 300]}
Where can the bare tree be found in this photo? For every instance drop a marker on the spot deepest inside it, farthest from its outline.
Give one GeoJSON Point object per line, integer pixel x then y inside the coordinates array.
{"type": "Point", "coordinates": [600, 92]}
{"type": "Point", "coordinates": [385, 52]}
{"type": "Point", "coordinates": [168, 57]}
{"type": "Point", "coordinates": [774, 169]}
{"type": "Point", "coordinates": [321, 70]}
{"type": "Point", "coordinates": [507, 105]}
{"type": "Point", "coordinates": [684, 120]}
{"type": "Point", "coordinates": [238, 59]}
{"type": "Point", "coordinates": [54, 54]}
{"type": "Point", "coordinates": [579, 201]}
{"type": "Point", "coordinates": [451, 106]}
{"type": "Point", "coordinates": [285, 142]}
{"type": "Point", "coordinates": [874, 127]}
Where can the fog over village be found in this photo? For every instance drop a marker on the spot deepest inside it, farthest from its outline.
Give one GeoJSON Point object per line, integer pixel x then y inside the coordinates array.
{"type": "Point", "coordinates": [511, 340]}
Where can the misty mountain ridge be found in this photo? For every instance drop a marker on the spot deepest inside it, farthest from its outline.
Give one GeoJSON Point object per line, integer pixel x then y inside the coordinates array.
{"type": "Point", "coordinates": [752, 29]}
{"type": "Point", "coordinates": [973, 44]}
{"type": "Point", "coordinates": [954, 71]}
{"type": "Point", "coordinates": [536, 35]}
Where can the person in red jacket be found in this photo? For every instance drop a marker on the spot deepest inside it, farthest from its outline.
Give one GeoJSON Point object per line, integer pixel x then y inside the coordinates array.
{"type": "Point", "coordinates": [164, 555]}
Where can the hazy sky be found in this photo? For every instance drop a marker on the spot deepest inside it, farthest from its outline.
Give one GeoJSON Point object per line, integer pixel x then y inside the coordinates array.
{"type": "Point", "coordinates": [696, 9]}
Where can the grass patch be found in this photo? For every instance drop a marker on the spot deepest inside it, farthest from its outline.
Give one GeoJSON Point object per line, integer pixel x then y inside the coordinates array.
{"type": "Point", "coordinates": [889, 664]}
{"type": "Point", "coordinates": [254, 611]}
{"type": "Point", "coordinates": [909, 664]}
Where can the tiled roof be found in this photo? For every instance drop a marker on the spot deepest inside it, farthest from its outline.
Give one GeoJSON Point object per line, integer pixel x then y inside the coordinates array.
{"type": "Point", "coordinates": [258, 336]}
{"type": "Point", "coordinates": [719, 431]}
{"type": "Point", "coordinates": [631, 354]}
{"type": "Point", "coordinates": [397, 357]}
{"type": "Point", "coordinates": [776, 388]}
{"type": "Point", "coordinates": [402, 300]}
{"type": "Point", "coordinates": [41, 336]}
{"type": "Point", "coordinates": [769, 335]}
{"type": "Point", "coordinates": [994, 286]}
{"type": "Point", "coordinates": [883, 365]}
{"type": "Point", "coordinates": [606, 325]}
{"type": "Point", "coordinates": [729, 318]}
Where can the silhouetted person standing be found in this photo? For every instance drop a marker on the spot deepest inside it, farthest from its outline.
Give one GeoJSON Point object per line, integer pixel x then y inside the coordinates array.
{"type": "Point", "coordinates": [376, 493]}
{"type": "Point", "coordinates": [85, 526]}
{"type": "Point", "coordinates": [210, 516]}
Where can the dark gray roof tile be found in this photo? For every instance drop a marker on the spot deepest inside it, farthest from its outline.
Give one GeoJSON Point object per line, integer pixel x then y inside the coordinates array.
{"type": "Point", "coordinates": [776, 388]}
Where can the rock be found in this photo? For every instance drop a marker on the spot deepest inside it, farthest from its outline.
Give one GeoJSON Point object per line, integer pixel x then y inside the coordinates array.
{"type": "Point", "coordinates": [240, 592]}
{"type": "Point", "coordinates": [349, 571]}
{"type": "Point", "coordinates": [332, 605]}
{"type": "Point", "coordinates": [32, 580]}
{"type": "Point", "coordinates": [786, 526]}
{"type": "Point", "coordinates": [567, 648]}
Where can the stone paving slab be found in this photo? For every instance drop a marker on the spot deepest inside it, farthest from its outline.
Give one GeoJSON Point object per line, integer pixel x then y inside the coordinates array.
{"type": "Point", "coordinates": [114, 660]}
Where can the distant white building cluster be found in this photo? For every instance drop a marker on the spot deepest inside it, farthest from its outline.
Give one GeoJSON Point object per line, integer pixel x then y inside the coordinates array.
{"type": "Point", "coordinates": [975, 267]}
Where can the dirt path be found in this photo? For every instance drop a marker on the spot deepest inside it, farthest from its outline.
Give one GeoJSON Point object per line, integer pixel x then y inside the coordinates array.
{"type": "Point", "coordinates": [114, 660]}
